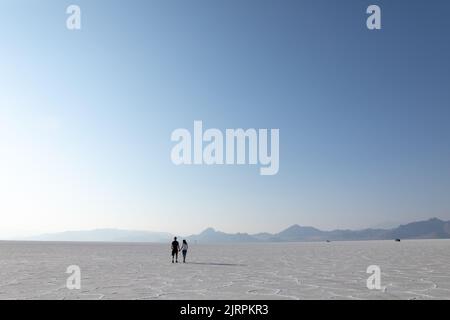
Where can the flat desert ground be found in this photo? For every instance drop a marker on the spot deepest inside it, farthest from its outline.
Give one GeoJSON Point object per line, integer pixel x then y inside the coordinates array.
{"type": "Point", "coordinates": [415, 269]}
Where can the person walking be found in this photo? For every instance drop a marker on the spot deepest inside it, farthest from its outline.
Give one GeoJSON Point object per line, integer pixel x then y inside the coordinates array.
{"type": "Point", "coordinates": [175, 249]}
{"type": "Point", "coordinates": [184, 250]}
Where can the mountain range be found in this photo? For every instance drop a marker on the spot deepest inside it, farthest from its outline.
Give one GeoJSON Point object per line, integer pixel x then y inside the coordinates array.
{"type": "Point", "coordinates": [105, 235]}
{"type": "Point", "coordinates": [429, 229]}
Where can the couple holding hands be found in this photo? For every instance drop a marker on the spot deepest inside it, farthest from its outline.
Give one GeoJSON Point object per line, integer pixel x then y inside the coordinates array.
{"type": "Point", "coordinates": [176, 248]}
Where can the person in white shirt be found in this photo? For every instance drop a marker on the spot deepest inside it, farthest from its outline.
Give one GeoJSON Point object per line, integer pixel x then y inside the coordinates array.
{"type": "Point", "coordinates": [184, 249]}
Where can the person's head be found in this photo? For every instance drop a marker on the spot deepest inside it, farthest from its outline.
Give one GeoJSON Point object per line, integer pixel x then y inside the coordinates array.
{"type": "Point", "coordinates": [184, 241]}
{"type": "Point", "coordinates": [175, 238]}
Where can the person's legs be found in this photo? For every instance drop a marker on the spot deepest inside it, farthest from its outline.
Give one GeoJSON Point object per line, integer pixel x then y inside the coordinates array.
{"type": "Point", "coordinates": [174, 256]}
{"type": "Point", "coordinates": [184, 256]}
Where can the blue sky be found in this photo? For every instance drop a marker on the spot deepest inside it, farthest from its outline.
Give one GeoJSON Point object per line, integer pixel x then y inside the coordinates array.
{"type": "Point", "coordinates": [86, 116]}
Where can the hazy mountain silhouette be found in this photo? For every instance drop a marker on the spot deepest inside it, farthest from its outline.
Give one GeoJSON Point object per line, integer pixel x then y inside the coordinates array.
{"type": "Point", "coordinates": [107, 235]}
{"type": "Point", "coordinates": [429, 229]}
{"type": "Point", "coordinates": [211, 235]}
{"type": "Point", "coordinates": [297, 232]}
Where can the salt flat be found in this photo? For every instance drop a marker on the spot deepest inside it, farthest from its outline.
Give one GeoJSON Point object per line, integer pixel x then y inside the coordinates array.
{"type": "Point", "coordinates": [415, 269]}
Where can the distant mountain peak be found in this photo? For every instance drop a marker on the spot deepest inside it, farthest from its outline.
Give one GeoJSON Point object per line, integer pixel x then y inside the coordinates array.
{"type": "Point", "coordinates": [297, 226]}
{"type": "Point", "coordinates": [209, 230]}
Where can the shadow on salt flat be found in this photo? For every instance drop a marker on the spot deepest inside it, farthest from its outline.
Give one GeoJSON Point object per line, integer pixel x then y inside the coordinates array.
{"type": "Point", "coordinates": [218, 264]}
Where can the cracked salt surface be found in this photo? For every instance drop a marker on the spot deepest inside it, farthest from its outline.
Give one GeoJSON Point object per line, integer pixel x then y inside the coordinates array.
{"type": "Point", "coordinates": [415, 269]}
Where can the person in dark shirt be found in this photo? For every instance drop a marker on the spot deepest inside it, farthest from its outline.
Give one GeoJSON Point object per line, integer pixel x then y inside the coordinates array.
{"type": "Point", "coordinates": [175, 249]}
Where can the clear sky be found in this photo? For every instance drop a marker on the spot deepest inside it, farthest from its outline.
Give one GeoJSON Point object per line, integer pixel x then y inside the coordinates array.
{"type": "Point", "coordinates": [86, 116]}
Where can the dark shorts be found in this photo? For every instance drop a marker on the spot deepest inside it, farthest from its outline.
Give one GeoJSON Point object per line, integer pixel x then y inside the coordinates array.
{"type": "Point", "coordinates": [174, 252]}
